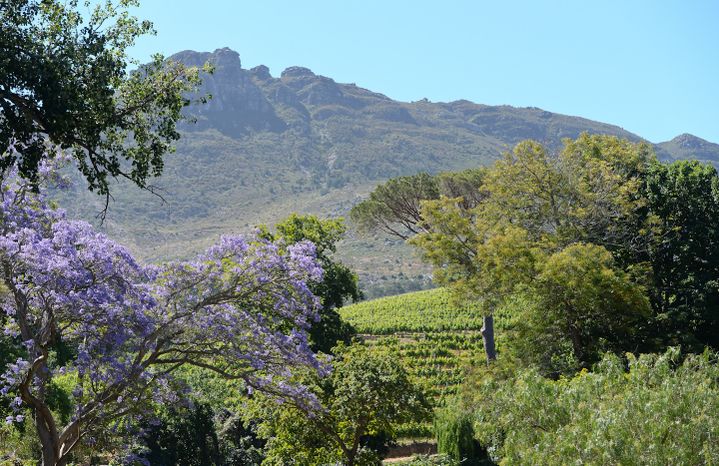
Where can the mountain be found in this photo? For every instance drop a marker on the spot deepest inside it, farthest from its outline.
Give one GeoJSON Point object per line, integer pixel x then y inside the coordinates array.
{"type": "Point", "coordinates": [687, 146]}
{"type": "Point", "coordinates": [266, 146]}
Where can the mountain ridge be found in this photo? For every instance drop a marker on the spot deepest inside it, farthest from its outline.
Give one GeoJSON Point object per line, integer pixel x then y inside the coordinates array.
{"type": "Point", "coordinates": [324, 89]}
{"type": "Point", "coordinates": [265, 146]}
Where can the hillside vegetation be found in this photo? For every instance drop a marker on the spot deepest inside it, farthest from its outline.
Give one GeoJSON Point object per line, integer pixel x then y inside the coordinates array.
{"type": "Point", "coordinates": [437, 340]}
{"type": "Point", "coordinates": [266, 146]}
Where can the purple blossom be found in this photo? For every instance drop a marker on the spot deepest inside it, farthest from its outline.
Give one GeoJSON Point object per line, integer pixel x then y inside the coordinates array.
{"type": "Point", "coordinates": [242, 309]}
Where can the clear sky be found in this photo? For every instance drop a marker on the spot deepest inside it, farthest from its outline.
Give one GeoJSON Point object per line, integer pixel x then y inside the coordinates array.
{"type": "Point", "coordinates": [651, 67]}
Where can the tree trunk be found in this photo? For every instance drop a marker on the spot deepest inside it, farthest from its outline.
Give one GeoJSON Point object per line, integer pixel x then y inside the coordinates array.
{"type": "Point", "coordinates": [488, 338]}
{"type": "Point", "coordinates": [51, 458]}
{"type": "Point", "coordinates": [49, 455]}
{"type": "Point", "coordinates": [350, 455]}
{"type": "Point", "coordinates": [577, 344]}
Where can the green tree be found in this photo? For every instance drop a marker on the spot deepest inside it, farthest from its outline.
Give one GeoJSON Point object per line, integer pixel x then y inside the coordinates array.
{"type": "Point", "coordinates": [582, 307]}
{"type": "Point", "coordinates": [64, 83]}
{"type": "Point", "coordinates": [454, 430]}
{"type": "Point", "coordinates": [589, 193]}
{"type": "Point", "coordinates": [394, 207]}
{"type": "Point", "coordinates": [479, 261]}
{"type": "Point", "coordinates": [366, 394]}
{"type": "Point", "coordinates": [199, 435]}
{"type": "Point", "coordinates": [183, 436]}
{"type": "Point", "coordinates": [338, 284]}
{"type": "Point", "coordinates": [529, 204]}
{"type": "Point", "coordinates": [683, 198]}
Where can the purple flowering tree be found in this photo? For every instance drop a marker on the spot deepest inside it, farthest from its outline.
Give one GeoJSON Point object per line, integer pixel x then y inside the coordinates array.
{"type": "Point", "coordinates": [240, 310]}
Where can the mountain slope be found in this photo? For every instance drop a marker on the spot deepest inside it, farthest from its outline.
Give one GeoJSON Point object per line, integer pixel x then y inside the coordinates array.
{"type": "Point", "coordinates": [265, 146]}
{"type": "Point", "coordinates": [687, 146]}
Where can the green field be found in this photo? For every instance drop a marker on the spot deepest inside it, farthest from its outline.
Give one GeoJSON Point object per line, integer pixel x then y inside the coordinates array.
{"type": "Point", "coordinates": [436, 340]}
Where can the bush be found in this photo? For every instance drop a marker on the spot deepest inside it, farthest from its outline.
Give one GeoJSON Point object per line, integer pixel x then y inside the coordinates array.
{"type": "Point", "coordinates": [454, 430]}
{"type": "Point", "coordinates": [663, 410]}
{"type": "Point", "coordinates": [455, 435]}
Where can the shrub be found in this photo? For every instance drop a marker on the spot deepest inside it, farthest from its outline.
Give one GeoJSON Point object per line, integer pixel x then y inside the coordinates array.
{"type": "Point", "coordinates": [662, 410]}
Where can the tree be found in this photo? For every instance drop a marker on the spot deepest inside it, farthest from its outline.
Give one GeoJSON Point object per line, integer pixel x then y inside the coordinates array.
{"type": "Point", "coordinates": [338, 284]}
{"type": "Point", "coordinates": [455, 436]}
{"type": "Point", "coordinates": [240, 310]}
{"type": "Point", "coordinates": [480, 261]}
{"type": "Point", "coordinates": [394, 207]}
{"type": "Point", "coordinates": [366, 394]}
{"type": "Point", "coordinates": [64, 83]}
{"type": "Point", "coordinates": [683, 199]}
{"type": "Point", "coordinates": [183, 436]}
{"type": "Point", "coordinates": [583, 307]}
{"type": "Point", "coordinates": [528, 205]}
{"type": "Point", "coordinates": [590, 192]}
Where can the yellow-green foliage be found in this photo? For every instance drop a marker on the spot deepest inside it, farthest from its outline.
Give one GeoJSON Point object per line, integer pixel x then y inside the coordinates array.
{"type": "Point", "coordinates": [421, 311]}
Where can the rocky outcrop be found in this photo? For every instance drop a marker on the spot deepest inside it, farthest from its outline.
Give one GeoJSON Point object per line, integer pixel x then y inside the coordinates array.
{"type": "Point", "coordinates": [237, 105]}
{"type": "Point", "coordinates": [246, 102]}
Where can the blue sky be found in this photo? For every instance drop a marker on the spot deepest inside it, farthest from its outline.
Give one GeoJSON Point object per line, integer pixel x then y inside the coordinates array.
{"type": "Point", "coordinates": [651, 67]}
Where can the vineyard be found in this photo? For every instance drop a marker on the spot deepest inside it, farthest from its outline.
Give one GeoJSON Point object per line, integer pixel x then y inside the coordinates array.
{"type": "Point", "coordinates": [436, 340]}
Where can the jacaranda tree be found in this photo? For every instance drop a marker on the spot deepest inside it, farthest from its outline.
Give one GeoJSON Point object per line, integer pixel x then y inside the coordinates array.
{"type": "Point", "coordinates": [240, 310]}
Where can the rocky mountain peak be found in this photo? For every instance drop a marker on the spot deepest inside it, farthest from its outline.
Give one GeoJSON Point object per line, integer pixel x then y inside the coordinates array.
{"type": "Point", "coordinates": [250, 102]}
{"type": "Point", "coordinates": [689, 141]}
{"type": "Point", "coordinates": [227, 62]}
{"type": "Point", "coordinates": [297, 72]}
{"type": "Point", "coordinates": [238, 106]}
{"type": "Point", "coordinates": [261, 72]}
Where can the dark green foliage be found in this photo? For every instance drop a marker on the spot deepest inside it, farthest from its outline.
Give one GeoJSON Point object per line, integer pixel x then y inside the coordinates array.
{"type": "Point", "coordinates": [683, 197]}
{"type": "Point", "coordinates": [64, 77]}
{"type": "Point", "coordinates": [339, 283]}
{"type": "Point", "coordinates": [211, 431]}
{"type": "Point", "coordinates": [329, 331]}
{"type": "Point", "coordinates": [380, 442]}
{"type": "Point", "coordinates": [183, 437]}
{"type": "Point", "coordinates": [454, 431]}
{"type": "Point", "coordinates": [239, 445]}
